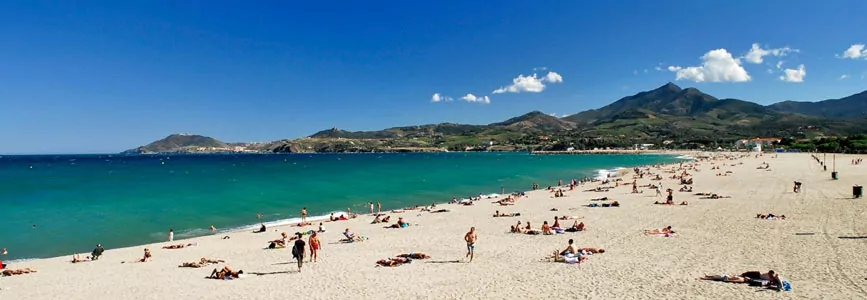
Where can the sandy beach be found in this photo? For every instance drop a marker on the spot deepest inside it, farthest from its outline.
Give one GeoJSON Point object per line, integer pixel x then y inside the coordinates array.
{"type": "Point", "coordinates": [819, 248]}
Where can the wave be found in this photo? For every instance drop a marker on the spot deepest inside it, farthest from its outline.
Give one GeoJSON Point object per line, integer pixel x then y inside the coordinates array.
{"type": "Point", "coordinates": [687, 157]}
{"type": "Point", "coordinates": [602, 174]}
{"type": "Point", "coordinates": [197, 232]}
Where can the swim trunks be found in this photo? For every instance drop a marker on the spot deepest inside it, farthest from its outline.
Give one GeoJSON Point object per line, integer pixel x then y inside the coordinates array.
{"type": "Point", "coordinates": [471, 247]}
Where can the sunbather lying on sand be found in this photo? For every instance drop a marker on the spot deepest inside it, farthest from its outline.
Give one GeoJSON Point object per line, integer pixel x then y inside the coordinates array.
{"type": "Point", "coordinates": [414, 255]}
{"type": "Point", "coordinates": [201, 263]}
{"type": "Point", "coordinates": [600, 199]}
{"type": "Point", "coordinates": [568, 258]}
{"type": "Point", "coordinates": [400, 224]}
{"type": "Point", "coordinates": [725, 278]}
{"type": "Point", "coordinates": [715, 196]}
{"type": "Point", "coordinates": [18, 272]}
{"type": "Point", "coordinates": [393, 262]}
{"type": "Point", "coordinates": [76, 258]}
{"type": "Point", "coordinates": [576, 227]}
{"type": "Point", "coordinates": [225, 273]}
{"type": "Point", "coordinates": [442, 210]}
{"type": "Point", "coordinates": [612, 204]}
{"type": "Point", "coordinates": [147, 255]}
{"type": "Point", "coordinates": [569, 217]}
{"type": "Point", "coordinates": [665, 230]}
{"type": "Point", "coordinates": [179, 246]}
{"type": "Point", "coordinates": [771, 217]}
{"type": "Point", "coordinates": [591, 250]}
{"type": "Point", "coordinates": [499, 214]}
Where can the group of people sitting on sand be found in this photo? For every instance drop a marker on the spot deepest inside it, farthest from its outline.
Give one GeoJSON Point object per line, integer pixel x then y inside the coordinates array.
{"type": "Point", "coordinates": [377, 219]}
{"type": "Point", "coordinates": [770, 279]}
{"type": "Point", "coordinates": [573, 255]}
{"type": "Point", "coordinates": [549, 229]}
{"type": "Point", "coordinates": [770, 217]}
{"type": "Point", "coordinates": [201, 263]}
{"type": "Point", "coordinates": [342, 217]}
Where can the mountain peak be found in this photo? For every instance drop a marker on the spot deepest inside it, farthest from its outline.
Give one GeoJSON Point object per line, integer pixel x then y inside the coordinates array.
{"type": "Point", "coordinates": [669, 87]}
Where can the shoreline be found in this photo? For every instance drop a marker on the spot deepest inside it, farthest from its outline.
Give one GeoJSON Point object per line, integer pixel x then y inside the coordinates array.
{"type": "Point", "coordinates": [180, 233]}
{"type": "Point", "coordinates": [814, 248]}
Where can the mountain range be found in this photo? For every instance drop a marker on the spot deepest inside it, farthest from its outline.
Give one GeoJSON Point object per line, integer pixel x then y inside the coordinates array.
{"type": "Point", "coordinates": [665, 113]}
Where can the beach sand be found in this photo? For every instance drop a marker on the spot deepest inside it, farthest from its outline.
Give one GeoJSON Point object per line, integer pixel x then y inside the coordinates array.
{"type": "Point", "coordinates": [715, 236]}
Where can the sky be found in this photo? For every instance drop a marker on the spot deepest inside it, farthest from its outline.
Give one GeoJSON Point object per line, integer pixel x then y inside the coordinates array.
{"type": "Point", "coordinates": [105, 76]}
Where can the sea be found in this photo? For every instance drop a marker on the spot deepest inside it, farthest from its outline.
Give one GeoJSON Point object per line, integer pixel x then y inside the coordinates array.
{"type": "Point", "coordinates": [55, 205]}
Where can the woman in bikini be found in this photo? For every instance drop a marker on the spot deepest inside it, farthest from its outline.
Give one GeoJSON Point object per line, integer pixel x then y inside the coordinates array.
{"type": "Point", "coordinates": [314, 247]}
{"type": "Point", "coordinates": [18, 272]}
{"type": "Point", "coordinates": [147, 255]}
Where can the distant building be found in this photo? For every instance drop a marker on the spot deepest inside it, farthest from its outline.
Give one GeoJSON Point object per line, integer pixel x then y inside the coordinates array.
{"type": "Point", "coordinates": [752, 143]}
{"type": "Point", "coordinates": [642, 146]}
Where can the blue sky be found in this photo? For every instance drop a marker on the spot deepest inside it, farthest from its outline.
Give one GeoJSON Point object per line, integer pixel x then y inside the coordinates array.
{"type": "Point", "coordinates": [104, 76]}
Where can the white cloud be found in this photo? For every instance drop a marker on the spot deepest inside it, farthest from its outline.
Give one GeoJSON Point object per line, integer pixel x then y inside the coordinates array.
{"type": "Point", "coordinates": [474, 98]}
{"type": "Point", "coordinates": [540, 68]}
{"type": "Point", "coordinates": [437, 98]}
{"type": "Point", "coordinates": [530, 83]}
{"type": "Point", "coordinates": [794, 75]}
{"type": "Point", "coordinates": [658, 68]}
{"type": "Point", "coordinates": [855, 51]}
{"type": "Point", "coordinates": [780, 64]}
{"type": "Point", "coordinates": [553, 77]}
{"type": "Point", "coordinates": [844, 76]}
{"type": "Point", "coordinates": [469, 97]}
{"type": "Point", "coordinates": [719, 66]}
{"type": "Point", "coordinates": [756, 54]}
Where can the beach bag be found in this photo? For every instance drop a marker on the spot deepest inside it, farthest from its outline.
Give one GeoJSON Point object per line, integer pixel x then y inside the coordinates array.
{"type": "Point", "coordinates": [786, 286]}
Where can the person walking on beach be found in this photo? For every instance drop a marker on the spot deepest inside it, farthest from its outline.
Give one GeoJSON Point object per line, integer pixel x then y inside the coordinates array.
{"type": "Point", "coordinates": [471, 239]}
{"type": "Point", "coordinates": [659, 190]}
{"type": "Point", "coordinates": [171, 234]}
{"type": "Point", "coordinates": [298, 250]}
{"type": "Point", "coordinates": [314, 247]}
{"type": "Point", "coordinates": [371, 207]}
{"type": "Point", "coordinates": [259, 217]}
{"type": "Point", "coordinates": [378, 207]}
{"type": "Point", "coordinates": [304, 215]}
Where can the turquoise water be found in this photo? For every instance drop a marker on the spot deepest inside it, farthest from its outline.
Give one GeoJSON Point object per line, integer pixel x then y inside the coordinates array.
{"type": "Point", "coordinates": [78, 201]}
